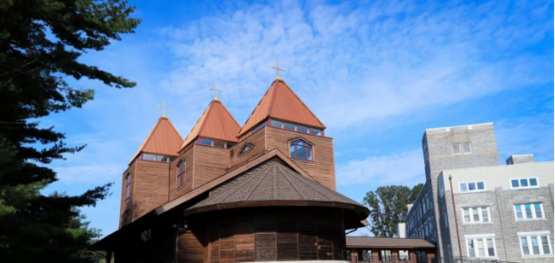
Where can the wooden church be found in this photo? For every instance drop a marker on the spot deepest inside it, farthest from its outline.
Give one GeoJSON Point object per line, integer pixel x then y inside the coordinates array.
{"type": "Point", "coordinates": [261, 192]}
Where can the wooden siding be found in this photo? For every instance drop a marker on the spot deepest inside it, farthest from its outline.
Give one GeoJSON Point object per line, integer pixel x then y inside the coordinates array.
{"type": "Point", "coordinates": [151, 186]}
{"type": "Point", "coordinates": [126, 211]}
{"type": "Point", "coordinates": [257, 139]}
{"type": "Point", "coordinates": [191, 247]}
{"type": "Point", "coordinates": [266, 234]}
{"type": "Point", "coordinates": [210, 162]}
{"type": "Point", "coordinates": [321, 168]}
{"type": "Point", "coordinates": [188, 155]}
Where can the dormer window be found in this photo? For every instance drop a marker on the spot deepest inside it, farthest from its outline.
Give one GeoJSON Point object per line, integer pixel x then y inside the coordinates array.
{"type": "Point", "coordinates": [247, 148]}
{"type": "Point", "coordinates": [300, 149]}
{"type": "Point", "coordinates": [155, 157]}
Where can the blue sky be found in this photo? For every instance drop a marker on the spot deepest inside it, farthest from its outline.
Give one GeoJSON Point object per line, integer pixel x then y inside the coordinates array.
{"type": "Point", "coordinates": [376, 73]}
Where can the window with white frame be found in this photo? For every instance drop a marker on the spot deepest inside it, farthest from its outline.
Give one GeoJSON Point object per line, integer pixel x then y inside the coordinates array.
{"type": "Point", "coordinates": [535, 243]}
{"type": "Point", "coordinates": [479, 214]}
{"type": "Point", "coordinates": [529, 211]}
{"type": "Point", "coordinates": [462, 148]}
{"type": "Point", "coordinates": [472, 186]}
{"type": "Point", "coordinates": [518, 183]}
{"type": "Point", "coordinates": [480, 246]}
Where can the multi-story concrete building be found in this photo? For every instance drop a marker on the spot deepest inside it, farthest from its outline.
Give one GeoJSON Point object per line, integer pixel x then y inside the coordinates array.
{"type": "Point", "coordinates": [469, 154]}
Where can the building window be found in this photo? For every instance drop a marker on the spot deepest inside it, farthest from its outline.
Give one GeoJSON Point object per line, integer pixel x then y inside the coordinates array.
{"type": "Point", "coordinates": [207, 142]}
{"type": "Point", "coordinates": [524, 183]}
{"type": "Point", "coordinates": [404, 255]}
{"type": "Point", "coordinates": [472, 186]}
{"type": "Point", "coordinates": [476, 214]}
{"type": "Point", "coordinates": [294, 127]}
{"type": "Point", "coordinates": [155, 157]}
{"type": "Point", "coordinates": [365, 255]}
{"type": "Point", "coordinates": [480, 246]}
{"type": "Point", "coordinates": [385, 255]}
{"type": "Point", "coordinates": [127, 187]}
{"type": "Point", "coordinates": [300, 149]}
{"type": "Point", "coordinates": [180, 173]}
{"type": "Point", "coordinates": [247, 148]}
{"type": "Point", "coordinates": [462, 148]}
{"type": "Point", "coordinates": [529, 211]}
{"type": "Point", "coordinates": [535, 243]}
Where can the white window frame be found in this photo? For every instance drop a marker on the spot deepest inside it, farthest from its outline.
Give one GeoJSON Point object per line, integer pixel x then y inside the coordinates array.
{"type": "Point", "coordinates": [522, 208]}
{"type": "Point", "coordinates": [528, 236]}
{"type": "Point", "coordinates": [524, 187]}
{"type": "Point", "coordinates": [480, 215]}
{"type": "Point", "coordinates": [461, 148]}
{"type": "Point", "coordinates": [484, 239]}
{"type": "Point", "coordinates": [472, 191]}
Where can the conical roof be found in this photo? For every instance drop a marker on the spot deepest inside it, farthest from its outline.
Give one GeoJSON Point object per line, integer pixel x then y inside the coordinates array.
{"type": "Point", "coordinates": [214, 123]}
{"type": "Point", "coordinates": [282, 103]}
{"type": "Point", "coordinates": [274, 184]}
{"type": "Point", "coordinates": [163, 139]}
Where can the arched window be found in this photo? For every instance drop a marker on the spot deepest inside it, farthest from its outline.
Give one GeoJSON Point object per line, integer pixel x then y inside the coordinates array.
{"type": "Point", "coordinates": [300, 149]}
{"type": "Point", "coordinates": [180, 173]}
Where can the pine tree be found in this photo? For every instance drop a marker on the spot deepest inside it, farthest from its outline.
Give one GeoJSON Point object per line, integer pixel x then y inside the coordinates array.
{"type": "Point", "coordinates": [40, 44]}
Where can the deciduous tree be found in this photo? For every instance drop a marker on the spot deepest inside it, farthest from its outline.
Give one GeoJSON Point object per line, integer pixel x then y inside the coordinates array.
{"type": "Point", "coordinates": [388, 207]}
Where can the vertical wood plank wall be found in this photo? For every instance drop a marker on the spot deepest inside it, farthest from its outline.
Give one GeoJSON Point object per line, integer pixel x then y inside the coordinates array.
{"type": "Point", "coordinates": [265, 234]}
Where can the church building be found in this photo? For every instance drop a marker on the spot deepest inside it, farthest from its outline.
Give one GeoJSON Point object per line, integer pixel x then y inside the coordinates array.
{"type": "Point", "coordinates": [264, 191]}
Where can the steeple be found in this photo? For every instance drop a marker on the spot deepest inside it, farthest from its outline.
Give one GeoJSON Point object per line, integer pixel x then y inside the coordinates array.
{"type": "Point", "coordinates": [215, 123]}
{"type": "Point", "coordinates": [281, 103]}
{"type": "Point", "coordinates": [162, 140]}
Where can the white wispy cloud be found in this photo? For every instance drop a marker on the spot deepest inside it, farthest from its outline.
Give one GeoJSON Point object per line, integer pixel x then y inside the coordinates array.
{"type": "Point", "coordinates": [404, 168]}
{"type": "Point", "coordinates": [359, 63]}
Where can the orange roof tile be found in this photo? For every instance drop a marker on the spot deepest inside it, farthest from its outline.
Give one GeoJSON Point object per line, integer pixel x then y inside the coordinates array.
{"type": "Point", "coordinates": [282, 103]}
{"type": "Point", "coordinates": [215, 123]}
{"type": "Point", "coordinates": [163, 139]}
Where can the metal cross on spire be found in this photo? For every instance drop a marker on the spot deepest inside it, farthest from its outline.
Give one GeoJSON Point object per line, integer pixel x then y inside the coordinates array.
{"type": "Point", "coordinates": [216, 91]}
{"type": "Point", "coordinates": [278, 69]}
{"type": "Point", "coordinates": [164, 108]}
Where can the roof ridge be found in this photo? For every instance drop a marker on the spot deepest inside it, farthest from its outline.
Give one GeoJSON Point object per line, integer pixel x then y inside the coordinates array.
{"type": "Point", "coordinates": [228, 113]}
{"type": "Point", "coordinates": [210, 106]}
{"type": "Point", "coordinates": [247, 121]}
{"type": "Point", "coordinates": [292, 185]}
{"type": "Point", "coordinates": [272, 99]}
{"type": "Point", "coordinates": [302, 102]}
{"type": "Point", "coordinates": [240, 186]}
{"type": "Point", "coordinates": [259, 182]}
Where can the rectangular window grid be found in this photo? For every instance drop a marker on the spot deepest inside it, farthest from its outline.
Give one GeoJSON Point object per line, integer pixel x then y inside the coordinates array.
{"type": "Point", "coordinates": [529, 211]}
{"type": "Point", "coordinates": [535, 244]}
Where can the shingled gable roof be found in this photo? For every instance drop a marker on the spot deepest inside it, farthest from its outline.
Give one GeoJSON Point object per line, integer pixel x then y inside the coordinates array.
{"type": "Point", "coordinates": [282, 103]}
{"type": "Point", "coordinates": [163, 139]}
{"type": "Point", "coordinates": [274, 184]}
{"type": "Point", "coordinates": [215, 123]}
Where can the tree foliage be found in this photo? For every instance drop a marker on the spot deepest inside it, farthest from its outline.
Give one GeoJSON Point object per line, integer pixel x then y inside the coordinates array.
{"type": "Point", "coordinates": [388, 207]}
{"type": "Point", "coordinates": [40, 45]}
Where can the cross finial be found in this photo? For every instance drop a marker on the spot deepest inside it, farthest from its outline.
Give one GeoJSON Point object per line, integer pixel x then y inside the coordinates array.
{"type": "Point", "coordinates": [216, 90]}
{"type": "Point", "coordinates": [164, 108]}
{"type": "Point", "coordinates": [278, 69]}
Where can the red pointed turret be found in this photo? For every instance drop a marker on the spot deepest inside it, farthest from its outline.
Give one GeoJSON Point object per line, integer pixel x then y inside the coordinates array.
{"type": "Point", "coordinates": [163, 139]}
{"type": "Point", "coordinates": [280, 102]}
{"type": "Point", "coordinates": [215, 123]}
